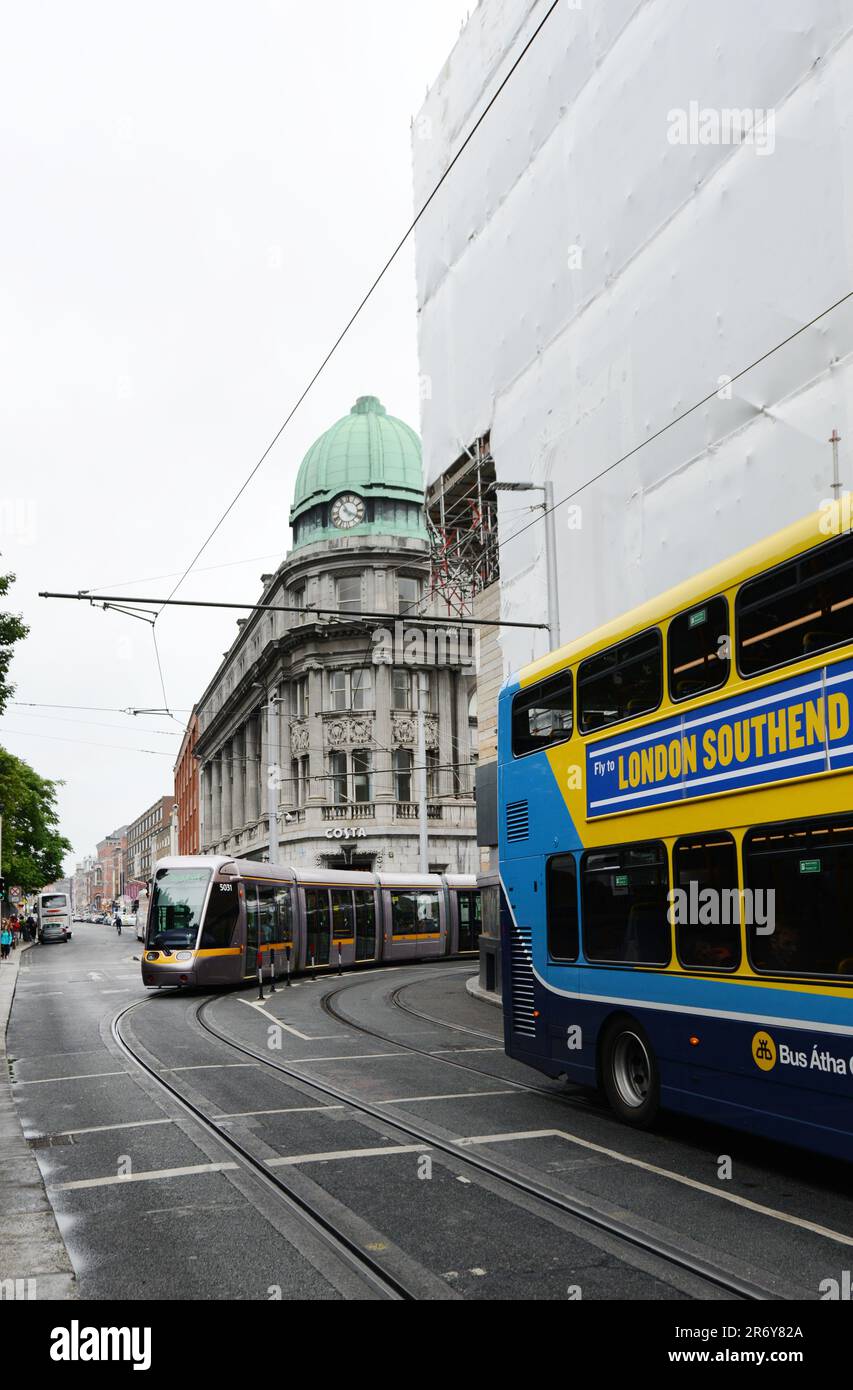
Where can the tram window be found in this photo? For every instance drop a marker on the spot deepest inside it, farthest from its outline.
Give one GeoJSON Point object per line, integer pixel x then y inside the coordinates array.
{"type": "Point", "coordinates": [620, 683]}
{"type": "Point", "coordinates": [798, 609]}
{"type": "Point", "coordinates": [562, 898]}
{"type": "Point", "coordinates": [805, 927]}
{"type": "Point", "coordinates": [698, 649]}
{"type": "Point", "coordinates": [176, 904]}
{"type": "Point", "coordinates": [706, 902]}
{"type": "Point", "coordinates": [624, 893]}
{"type": "Point", "coordinates": [220, 919]}
{"type": "Point", "coordinates": [266, 914]}
{"type": "Point", "coordinates": [542, 715]}
{"type": "Point", "coordinates": [414, 913]}
{"type": "Point", "coordinates": [343, 921]}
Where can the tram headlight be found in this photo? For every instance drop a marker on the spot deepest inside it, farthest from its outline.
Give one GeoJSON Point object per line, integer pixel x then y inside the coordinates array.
{"type": "Point", "coordinates": [184, 955]}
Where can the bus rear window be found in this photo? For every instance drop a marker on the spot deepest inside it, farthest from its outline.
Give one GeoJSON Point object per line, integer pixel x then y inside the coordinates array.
{"type": "Point", "coordinates": [621, 682]}
{"type": "Point", "coordinates": [801, 608]}
{"type": "Point", "coordinates": [542, 715]}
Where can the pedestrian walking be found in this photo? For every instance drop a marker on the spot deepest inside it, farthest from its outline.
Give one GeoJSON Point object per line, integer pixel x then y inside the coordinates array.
{"type": "Point", "coordinates": [117, 924]}
{"type": "Point", "coordinates": [14, 927]}
{"type": "Point", "coordinates": [30, 928]}
{"type": "Point", "coordinates": [5, 941]}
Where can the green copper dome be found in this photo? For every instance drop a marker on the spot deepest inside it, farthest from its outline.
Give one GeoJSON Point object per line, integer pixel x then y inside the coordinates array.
{"type": "Point", "coordinates": [371, 454]}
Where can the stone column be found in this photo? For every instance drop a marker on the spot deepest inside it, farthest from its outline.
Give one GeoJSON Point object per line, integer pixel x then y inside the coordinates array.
{"type": "Point", "coordinates": [238, 806]}
{"type": "Point", "coordinates": [464, 688]}
{"type": "Point", "coordinates": [383, 781]}
{"type": "Point", "coordinates": [319, 790]}
{"type": "Point", "coordinates": [227, 768]}
{"type": "Point", "coordinates": [287, 791]}
{"type": "Point", "coordinates": [448, 753]}
{"type": "Point", "coordinates": [253, 770]}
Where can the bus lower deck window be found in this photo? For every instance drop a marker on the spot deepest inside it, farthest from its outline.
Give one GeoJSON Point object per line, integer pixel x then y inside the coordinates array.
{"type": "Point", "coordinates": [624, 904]}
{"type": "Point", "coordinates": [798, 875]}
{"type": "Point", "coordinates": [562, 907]}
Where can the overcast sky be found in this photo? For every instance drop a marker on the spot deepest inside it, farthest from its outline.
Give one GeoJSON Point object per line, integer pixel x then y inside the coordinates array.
{"type": "Point", "coordinates": [195, 197]}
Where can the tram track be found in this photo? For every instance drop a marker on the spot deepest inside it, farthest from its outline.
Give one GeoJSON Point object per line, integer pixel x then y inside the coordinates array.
{"type": "Point", "coordinates": [378, 1279]}
{"type": "Point", "coordinates": [460, 1152]}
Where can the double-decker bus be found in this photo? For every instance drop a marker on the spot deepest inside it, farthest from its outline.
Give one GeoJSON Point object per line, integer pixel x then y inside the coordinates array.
{"type": "Point", "coordinates": [676, 847]}
{"type": "Point", "coordinates": [54, 916]}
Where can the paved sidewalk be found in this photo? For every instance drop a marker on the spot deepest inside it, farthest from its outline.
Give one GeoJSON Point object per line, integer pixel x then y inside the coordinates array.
{"type": "Point", "coordinates": [31, 1248]}
{"type": "Point", "coordinates": [474, 987]}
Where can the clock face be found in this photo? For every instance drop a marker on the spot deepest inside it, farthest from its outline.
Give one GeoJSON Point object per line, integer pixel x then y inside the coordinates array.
{"type": "Point", "coordinates": [347, 511]}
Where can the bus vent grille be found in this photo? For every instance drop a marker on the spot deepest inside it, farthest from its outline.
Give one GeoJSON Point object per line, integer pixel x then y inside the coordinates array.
{"type": "Point", "coordinates": [517, 820]}
{"type": "Point", "coordinates": [521, 981]}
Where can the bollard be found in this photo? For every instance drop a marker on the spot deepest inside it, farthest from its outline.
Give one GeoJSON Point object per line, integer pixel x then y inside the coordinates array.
{"type": "Point", "coordinates": [260, 976]}
{"type": "Point", "coordinates": [272, 971]}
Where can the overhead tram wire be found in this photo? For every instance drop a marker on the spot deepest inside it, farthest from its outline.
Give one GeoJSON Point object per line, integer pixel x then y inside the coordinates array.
{"type": "Point", "coordinates": [344, 613]}
{"type": "Point", "coordinates": [386, 267]}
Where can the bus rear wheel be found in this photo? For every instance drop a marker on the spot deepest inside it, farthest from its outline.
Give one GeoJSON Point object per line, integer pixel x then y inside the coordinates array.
{"type": "Point", "coordinates": [630, 1074]}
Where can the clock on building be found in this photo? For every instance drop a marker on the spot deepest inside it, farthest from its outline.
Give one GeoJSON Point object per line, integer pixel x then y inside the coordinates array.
{"type": "Point", "coordinates": [347, 511]}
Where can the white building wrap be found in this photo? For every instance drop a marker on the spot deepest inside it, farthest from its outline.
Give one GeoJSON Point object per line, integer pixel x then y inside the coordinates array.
{"type": "Point", "coordinates": [660, 196]}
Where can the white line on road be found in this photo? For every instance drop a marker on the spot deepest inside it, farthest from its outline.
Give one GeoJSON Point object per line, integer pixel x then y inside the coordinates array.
{"type": "Point", "coordinates": [335, 1154]}
{"type": "Point", "coordinates": [80, 1076]}
{"type": "Point", "coordinates": [288, 1028]}
{"type": "Point", "coordinates": [213, 1066]}
{"type": "Point", "coordinates": [661, 1173]}
{"type": "Point", "coordinates": [441, 1051]}
{"type": "Point", "coordinates": [454, 1095]}
{"type": "Point", "coordinates": [115, 1180]}
{"type": "Point", "coordinates": [106, 1129]}
{"type": "Point", "coordinates": [353, 1057]}
{"type": "Point", "coordinates": [285, 1110]}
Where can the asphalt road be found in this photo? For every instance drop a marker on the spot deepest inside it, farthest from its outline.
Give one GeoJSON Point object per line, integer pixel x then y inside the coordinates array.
{"type": "Point", "coordinates": [152, 1206]}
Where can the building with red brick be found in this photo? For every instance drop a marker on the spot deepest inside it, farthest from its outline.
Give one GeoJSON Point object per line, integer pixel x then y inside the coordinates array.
{"type": "Point", "coordinates": [187, 791]}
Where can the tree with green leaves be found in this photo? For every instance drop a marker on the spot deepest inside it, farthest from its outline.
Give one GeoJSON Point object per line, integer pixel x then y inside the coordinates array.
{"type": "Point", "coordinates": [33, 850]}
{"type": "Point", "coordinates": [12, 630]}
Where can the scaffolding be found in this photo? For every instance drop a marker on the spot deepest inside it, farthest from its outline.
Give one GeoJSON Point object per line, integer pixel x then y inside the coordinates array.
{"type": "Point", "coordinates": [462, 520]}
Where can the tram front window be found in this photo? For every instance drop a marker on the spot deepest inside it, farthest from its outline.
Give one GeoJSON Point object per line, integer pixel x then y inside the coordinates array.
{"type": "Point", "coordinates": [176, 906]}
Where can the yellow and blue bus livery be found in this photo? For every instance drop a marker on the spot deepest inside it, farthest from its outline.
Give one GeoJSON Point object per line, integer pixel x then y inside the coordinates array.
{"type": "Point", "coordinates": [676, 848]}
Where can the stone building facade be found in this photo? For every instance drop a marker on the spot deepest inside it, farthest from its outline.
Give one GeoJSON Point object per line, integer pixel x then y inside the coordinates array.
{"type": "Point", "coordinates": [187, 791]}
{"type": "Point", "coordinates": [313, 715]}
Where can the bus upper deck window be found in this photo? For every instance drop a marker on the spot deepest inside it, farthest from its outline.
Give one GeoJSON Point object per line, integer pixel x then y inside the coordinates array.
{"type": "Point", "coordinates": [542, 715]}
{"type": "Point", "coordinates": [698, 649]}
{"type": "Point", "coordinates": [800, 608]}
{"type": "Point", "coordinates": [621, 682]}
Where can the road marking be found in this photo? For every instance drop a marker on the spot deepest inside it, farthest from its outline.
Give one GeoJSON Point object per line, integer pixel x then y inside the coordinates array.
{"type": "Point", "coordinates": [454, 1095]}
{"type": "Point", "coordinates": [288, 1028]}
{"type": "Point", "coordinates": [105, 1129]}
{"type": "Point", "coordinates": [115, 1180]}
{"type": "Point", "coordinates": [285, 1110]}
{"type": "Point", "coordinates": [352, 1057]}
{"type": "Point", "coordinates": [115, 991]}
{"type": "Point", "coordinates": [335, 1154]}
{"type": "Point", "coordinates": [82, 1076]}
{"type": "Point", "coordinates": [441, 1051]}
{"type": "Point", "coordinates": [694, 1183]}
{"type": "Point", "coordinates": [212, 1066]}
{"type": "Point", "coordinates": [44, 994]}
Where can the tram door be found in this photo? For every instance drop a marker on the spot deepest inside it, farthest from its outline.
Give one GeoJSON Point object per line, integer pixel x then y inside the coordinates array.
{"type": "Point", "coordinates": [252, 930]}
{"type": "Point", "coordinates": [468, 911]}
{"type": "Point", "coordinates": [318, 935]}
{"type": "Point", "coordinates": [343, 925]}
{"type": "Point", "coordinates": [365, 924]}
